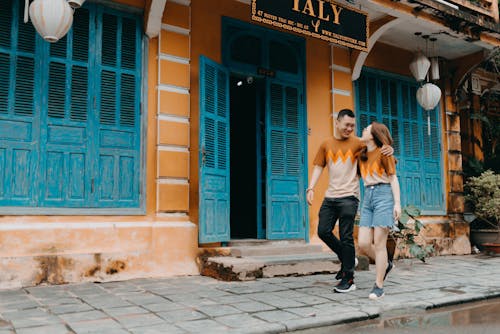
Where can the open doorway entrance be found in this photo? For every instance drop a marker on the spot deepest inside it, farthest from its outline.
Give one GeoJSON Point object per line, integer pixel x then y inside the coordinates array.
{"type": "Point", "coordinates": [247, 157]}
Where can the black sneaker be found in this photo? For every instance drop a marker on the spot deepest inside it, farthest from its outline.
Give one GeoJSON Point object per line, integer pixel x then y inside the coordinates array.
{"type": "Point", "coordinates": [390, 266]}
{"type": "Point", "coordinates": [346, 284]}
{"type": "Point", "coordinates": [340, 272]}
{"type": "Point", "coordinates": [376, 292]}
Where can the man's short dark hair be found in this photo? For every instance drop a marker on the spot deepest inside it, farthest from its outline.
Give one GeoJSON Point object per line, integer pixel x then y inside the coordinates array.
{"type": "Point", "coordinates": [345, 112]}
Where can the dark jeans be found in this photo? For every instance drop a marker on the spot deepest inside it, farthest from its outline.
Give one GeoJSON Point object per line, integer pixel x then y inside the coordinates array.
{"type": "Point", "coordinates": [344, 209]}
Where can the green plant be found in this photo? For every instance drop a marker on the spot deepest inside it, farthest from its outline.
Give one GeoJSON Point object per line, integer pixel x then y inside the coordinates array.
{"type": "Point", "coordinates": [483, 194]}
{"type": "Point", "coordinates": [407, 229]}
{"type": "Point", "coordinates": [490, 135]}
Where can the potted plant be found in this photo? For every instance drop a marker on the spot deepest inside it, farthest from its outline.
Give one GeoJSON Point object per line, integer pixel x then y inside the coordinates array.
{"type": "Point", "coordinates": [404, 233]}
{"type": "Point", "coordinates": [482, 194]}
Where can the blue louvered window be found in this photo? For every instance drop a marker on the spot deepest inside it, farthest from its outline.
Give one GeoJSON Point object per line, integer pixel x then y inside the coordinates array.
{"type": "Point", "coordinates": [392, 100]}
{"type": "Point", "coordinates": [70, 111]}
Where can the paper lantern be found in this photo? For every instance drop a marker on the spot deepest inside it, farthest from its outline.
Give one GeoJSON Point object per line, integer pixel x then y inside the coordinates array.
{"type": "Point", "coordinates": [52, 18]}
{"type": "Point", "coordinates": [435, 68]}
{"type": "Point", "coordinates": [420, 66]}
{"type": "Point", "coordinates": [76, 3]}
{"type": "Point", "coordinates": [428, 96]}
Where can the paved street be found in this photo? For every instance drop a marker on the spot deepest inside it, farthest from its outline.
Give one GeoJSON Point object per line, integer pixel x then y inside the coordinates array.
{"type": "Point", "coordinates": [273, 305]}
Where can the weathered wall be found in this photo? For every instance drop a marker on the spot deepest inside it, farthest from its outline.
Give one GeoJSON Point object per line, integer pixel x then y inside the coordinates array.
{"type": "Point", "coordinates": [58, 249]}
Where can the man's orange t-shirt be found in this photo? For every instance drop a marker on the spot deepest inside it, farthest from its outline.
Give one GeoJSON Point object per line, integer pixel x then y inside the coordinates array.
{"type": "Point", "coordinates": [341, 157]}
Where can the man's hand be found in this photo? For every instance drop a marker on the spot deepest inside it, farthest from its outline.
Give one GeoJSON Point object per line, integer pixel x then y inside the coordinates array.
{"type": "Point", "coordinates": [387, 150]}
{"type": "Point", "coordinates": [310, 196]}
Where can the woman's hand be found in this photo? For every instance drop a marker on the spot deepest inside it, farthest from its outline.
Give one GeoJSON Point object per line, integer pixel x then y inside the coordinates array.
{"type": "Point", "coordinates": [397, 211]}
{"type": "Point", "coordinates": [310, 196]}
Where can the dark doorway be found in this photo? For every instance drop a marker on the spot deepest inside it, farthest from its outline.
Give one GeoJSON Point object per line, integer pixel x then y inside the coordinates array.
{"type": "Point", "coordinates": [245, 137]}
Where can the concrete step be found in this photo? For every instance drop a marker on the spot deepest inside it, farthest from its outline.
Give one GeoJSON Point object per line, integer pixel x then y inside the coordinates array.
{"type": "Point", "coordinates": [275, 249]}
{"type": "Point", "coordinates": [264, 242]}
{"type": "Point", "coordinates": [230, 268]}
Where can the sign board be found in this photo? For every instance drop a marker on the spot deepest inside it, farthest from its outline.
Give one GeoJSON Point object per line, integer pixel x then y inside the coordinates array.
{"type": "Point", "coordinates": [323, 19]}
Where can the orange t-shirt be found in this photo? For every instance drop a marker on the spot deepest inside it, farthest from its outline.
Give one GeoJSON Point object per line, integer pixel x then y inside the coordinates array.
{"type": "Point", "coordinates": [377, 168]}
{"type": "Point", "coordinates": [341, 157]}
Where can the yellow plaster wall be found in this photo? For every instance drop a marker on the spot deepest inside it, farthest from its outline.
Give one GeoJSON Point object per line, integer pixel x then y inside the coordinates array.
{"type": "Point", "coordinates": [175, 104]}
{"type": "Point", "coordinates": [174, 74]}
{"type": "Point", "coordinates": [173, 133]}
{"type": "Point", "coordinates": [174, 109]}
{"type": "Point", "coordinates": [179, 169]}
{"type": "Point", "coordinates": [175, 44]}
{"type": "Point", "coordinates": [397, 63]}
{"type": "Point", "coordinates": [57, 249]}
{"type": "Point", "coordinates": [319, 115]}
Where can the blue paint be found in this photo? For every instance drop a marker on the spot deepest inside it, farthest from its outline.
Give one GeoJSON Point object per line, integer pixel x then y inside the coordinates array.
{"type": "Point", "coordinates": [214, 153]}
{"type": "Point", "coordinates": [282, 203]}
{"type": "Point", "coordinates": [71, 120]}
{"type": "Point", "coordinates": [391, 99]}
{"type": "Point", "coordinates": [285, 165]}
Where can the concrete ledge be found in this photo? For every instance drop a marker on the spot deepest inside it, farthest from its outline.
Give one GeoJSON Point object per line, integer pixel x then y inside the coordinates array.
{"type": "Point", "coordinates": [81, 252]}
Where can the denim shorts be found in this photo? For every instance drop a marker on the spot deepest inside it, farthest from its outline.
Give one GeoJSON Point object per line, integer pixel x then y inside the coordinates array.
{"type": "Point", "coordinates": [378, 206]}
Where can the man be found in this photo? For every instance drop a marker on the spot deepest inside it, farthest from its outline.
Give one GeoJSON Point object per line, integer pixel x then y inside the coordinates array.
{"type": "Point", "coordinates": [340, 154]}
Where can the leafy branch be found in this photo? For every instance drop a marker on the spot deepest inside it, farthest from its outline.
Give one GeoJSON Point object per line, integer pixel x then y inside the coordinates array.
{"type": "Point", "coordinates": [407, 228]}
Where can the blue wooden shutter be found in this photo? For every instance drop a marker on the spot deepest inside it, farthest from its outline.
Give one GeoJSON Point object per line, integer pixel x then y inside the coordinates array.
{"type": "Point", "coordinates": [66, 142]}
{"type": "Point", "coordinates": [55, 150]}
{"type": "Point", "coordinates": [390, 100]}
{"type": "Point", "coordinates": [214, 153]}
{"type": "Point", "coordinates": [117, 135]}
{"type": "Point", "coordinates": [432, 175]}
{"type": "Point", "coordinates": [19, 115]}
{"type": "Point", "coordinates": [411, 166]}
{"type": "Point", "coordinates": [285, 186]}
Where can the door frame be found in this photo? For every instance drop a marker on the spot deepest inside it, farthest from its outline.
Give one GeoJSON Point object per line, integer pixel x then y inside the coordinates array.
{"type": "Point", "coordinates": [239, 68]}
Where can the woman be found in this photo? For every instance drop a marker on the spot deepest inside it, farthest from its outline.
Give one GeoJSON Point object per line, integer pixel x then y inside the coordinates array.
{"type": "Point", "coordinates": [381, 202]}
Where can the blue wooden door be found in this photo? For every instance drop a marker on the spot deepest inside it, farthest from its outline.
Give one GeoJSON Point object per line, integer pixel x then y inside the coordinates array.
{"type": "Point", "coordinates": [392, 100]}
{"type": "Point", "coordinates": [115, 180]}
{"type": "Point", "coordinates": [66, 169]}
{"type": "Point", "coordinates": [19, 113]}
{"type": "Point", "coordinates": [69, 111]}
{"type": "Point", "coordinates": [285, 161]}
{"type": "Point", "coordinates": [214, 160]}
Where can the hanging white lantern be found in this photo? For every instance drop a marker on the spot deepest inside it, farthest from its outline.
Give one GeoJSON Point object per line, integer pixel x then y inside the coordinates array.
{"type": "Point", "coordinates": [428, 96]}
{"type": "Point", "coordinates": [52, 18]}
{"type": "Point", "coordinates": [434, 68]}
{"type": "Point", "coordinates": [76, 3]}
{"type": "Point", "coordinates": [420, 66]}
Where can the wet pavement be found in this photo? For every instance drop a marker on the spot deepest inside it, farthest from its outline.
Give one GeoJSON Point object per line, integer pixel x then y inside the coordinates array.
{"type": "Point", "coordinates": [198, 304]}
{"type": "Point", "coordinates": [474, 317]}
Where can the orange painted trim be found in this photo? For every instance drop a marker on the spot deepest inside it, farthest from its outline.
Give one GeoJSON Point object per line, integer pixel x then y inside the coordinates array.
{"type": "Point", "coordinates": [150, 138]}
{"type": "Point", "coordinates": [175, 74]}
{"type": "Point", "coordinates": [173, 197]}
{"type": "Point", "coordinates": [176, 15]}
{"type": "Point", "coordinates": [174, 44]}
{"type": "Point", "coordinates": [173, 164]}
{"type": "Point", "coordinates": [176, 104]}
{"type": "Point", "coordinates": [173, 133]}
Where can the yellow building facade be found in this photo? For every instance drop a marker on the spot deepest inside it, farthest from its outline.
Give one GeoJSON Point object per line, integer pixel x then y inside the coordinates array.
{"type": "Point", "coordinates": [163, 237]}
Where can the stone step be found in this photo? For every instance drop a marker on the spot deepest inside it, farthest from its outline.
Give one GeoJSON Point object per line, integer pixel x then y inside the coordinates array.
{"type": "Point", "coordinates": [230, 268]}
{"type": "Point", "coordinates": [262, 242]}
{"type": "Point", "coordinates": [275, 249]}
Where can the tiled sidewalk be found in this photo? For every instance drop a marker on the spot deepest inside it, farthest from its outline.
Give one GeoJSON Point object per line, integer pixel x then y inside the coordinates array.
{"type": "Point", "coordinates": [273, 305]}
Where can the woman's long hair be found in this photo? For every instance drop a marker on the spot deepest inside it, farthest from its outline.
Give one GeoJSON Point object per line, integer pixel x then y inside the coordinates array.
{"type": "Point", "coordinates": [381, 136]}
